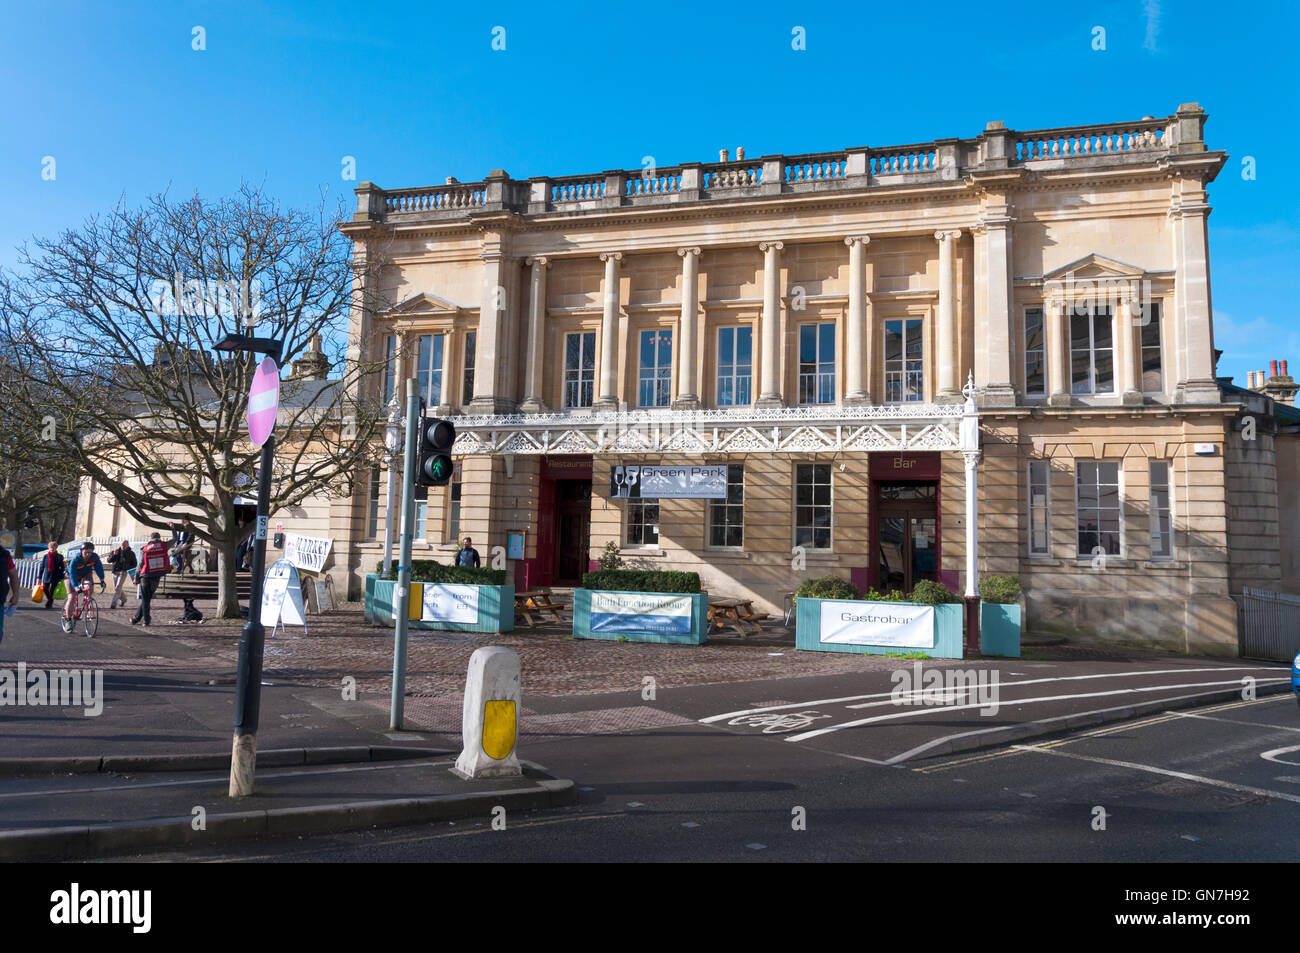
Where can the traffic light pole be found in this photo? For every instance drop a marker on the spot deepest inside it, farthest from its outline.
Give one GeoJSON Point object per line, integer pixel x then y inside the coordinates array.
{"type": "Point", "coordinates": [402, 587]}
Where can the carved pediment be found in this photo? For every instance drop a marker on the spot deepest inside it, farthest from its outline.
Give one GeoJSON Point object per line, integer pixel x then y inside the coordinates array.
{"type": "Point", "coordinates": [423, 303]}
{"type": "Point", "coordinates": [1094, 266]}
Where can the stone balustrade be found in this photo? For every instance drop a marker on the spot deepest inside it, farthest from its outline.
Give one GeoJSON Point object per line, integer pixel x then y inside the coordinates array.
{"type": "Point", "coordinates": [997, 148]}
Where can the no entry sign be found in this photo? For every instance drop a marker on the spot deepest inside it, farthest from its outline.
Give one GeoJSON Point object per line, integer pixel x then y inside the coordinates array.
{"type": "Point", "coordinates": [263, 401]}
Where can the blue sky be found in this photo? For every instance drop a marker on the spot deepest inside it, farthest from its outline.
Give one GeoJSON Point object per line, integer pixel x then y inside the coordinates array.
{"type": "Point", "coordinates": [415, 92]}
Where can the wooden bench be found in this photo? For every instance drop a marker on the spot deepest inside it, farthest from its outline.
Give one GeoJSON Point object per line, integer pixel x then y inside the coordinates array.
{"type": "Point", "coordinates": [537, 601]}
{"type": "Point", "coordinates": [736, 613]}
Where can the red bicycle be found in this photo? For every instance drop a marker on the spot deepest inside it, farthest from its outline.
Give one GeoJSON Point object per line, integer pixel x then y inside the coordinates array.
{"type": "Point", "coordinates": [82, 608]}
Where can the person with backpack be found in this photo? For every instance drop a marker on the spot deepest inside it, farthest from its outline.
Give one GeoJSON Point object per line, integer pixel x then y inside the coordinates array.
{"type": "Point", "coordinates": [53, 569]}
{"type": "Point", "coordinates": [8, 586]}
{"type": "Point", "coordinates": [121, 561]}
{"type": "Point", "coordinates": [153, 566]}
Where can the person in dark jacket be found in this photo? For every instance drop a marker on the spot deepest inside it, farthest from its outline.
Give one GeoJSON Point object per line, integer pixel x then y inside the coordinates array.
{"type": "Point", "coordinates": [53, 569]}
{"type": "Point", "coordinates": [467, 555]}
{"type": "Point", "coordinates": [153, 564]}
{"type": "Point", "coordinates": [121, 561]}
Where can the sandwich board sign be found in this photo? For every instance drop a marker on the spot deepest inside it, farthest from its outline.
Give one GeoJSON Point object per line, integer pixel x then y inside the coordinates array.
{"type": "Point", "coordinates": [282, 596]}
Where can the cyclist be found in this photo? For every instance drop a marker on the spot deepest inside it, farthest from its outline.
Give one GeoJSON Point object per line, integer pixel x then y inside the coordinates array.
{"type": "Point", "coordinates": [79, 573]}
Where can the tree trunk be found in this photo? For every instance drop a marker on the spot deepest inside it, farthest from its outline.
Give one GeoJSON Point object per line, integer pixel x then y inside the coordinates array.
{"type": "Point", "coordinates": [227, 593]}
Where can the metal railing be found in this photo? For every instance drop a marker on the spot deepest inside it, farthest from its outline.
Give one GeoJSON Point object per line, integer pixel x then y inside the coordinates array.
{"type": "Point", "coordinates": [1270, 625]}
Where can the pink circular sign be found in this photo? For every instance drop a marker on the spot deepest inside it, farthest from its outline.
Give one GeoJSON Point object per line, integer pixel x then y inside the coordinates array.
{"type": "Point", "coordinates": [263, 401]}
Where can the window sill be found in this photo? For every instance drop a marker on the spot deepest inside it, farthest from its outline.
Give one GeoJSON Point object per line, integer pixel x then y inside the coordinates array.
{"type": "Point", "coordinates": [1044, 561]}
{"type": "Point", "coordinates": [726, 552]}
{"type": "Point", "coordinates": [821, 556]}
{"type": "Point", "coordinates": [1166, 564]}
{"type": "Point", "coordinates": [1112, 562]}
{"type": "Point", "coordinates": [647, 551]}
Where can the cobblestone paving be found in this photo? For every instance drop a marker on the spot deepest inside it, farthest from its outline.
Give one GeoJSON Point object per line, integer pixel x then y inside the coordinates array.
{"type": "Point", "coordinates": [553, 663]}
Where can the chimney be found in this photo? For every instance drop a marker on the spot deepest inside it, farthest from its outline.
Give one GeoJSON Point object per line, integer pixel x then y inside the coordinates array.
{"type": "Point", "coordinates": [312, 366]}
{"type": "Point", "coordinates": [740, 153]}
{"type": "Point", "coordinates": [1250, 380]}
{"type": "Point", "coordinates": [1272, 368]}
{"type": "Point", "coordinates": [722, 155]}
{"type": "Point", "coordinates": [1282, 364]}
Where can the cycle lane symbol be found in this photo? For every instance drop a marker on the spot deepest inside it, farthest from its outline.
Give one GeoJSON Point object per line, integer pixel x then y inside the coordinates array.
{"type": "Point", "coordinates": [777, 722]}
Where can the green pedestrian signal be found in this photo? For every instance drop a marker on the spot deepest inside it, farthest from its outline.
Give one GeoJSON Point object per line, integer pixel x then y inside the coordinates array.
{"type": "Point", "coordinates": [433, 463]}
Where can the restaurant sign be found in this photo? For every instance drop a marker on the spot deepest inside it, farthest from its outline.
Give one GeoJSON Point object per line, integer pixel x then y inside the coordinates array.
{"type": "Point", "coordinates": [692, 483]}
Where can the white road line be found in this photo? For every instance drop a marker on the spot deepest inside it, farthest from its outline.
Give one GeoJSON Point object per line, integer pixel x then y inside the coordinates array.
{"type": "Point", "coordinates": [1152, 769]}
{"type": "Point", "coordinates": [804, 736]}
{"type": "Point", "coordinates": [1032, 681]}
{"type": "Point", "coordinates": [1273, 755]}
{"type": "Point", "coordinates": [920, 749]}
{"type": "Point", "coordinates": [1233, 721]}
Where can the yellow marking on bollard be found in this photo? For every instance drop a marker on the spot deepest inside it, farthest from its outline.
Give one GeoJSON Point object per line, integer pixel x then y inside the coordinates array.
{"type": "Point", "coordinates": [498, 728]}
{"type": "Point", "coordinates": [415, 607]}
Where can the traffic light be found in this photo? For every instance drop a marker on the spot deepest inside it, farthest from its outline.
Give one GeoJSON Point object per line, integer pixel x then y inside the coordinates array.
{"type": "Point", "coordinates": [433, 465]}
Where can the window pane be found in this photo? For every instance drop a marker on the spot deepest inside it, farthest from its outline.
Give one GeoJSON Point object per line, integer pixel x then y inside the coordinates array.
{"type": "Point", "coordinates": [744, 346]}
{"type": "Point", "coordinates": [647, 349]}
{"type": "Point", "coordinates": [826, 333]}
{"type": "Point", "coordinates": [1033, 330]}
{"type": "Point", "coordinates": [893, 340]}
{"type": "Point", "coordinates": [808, 344]}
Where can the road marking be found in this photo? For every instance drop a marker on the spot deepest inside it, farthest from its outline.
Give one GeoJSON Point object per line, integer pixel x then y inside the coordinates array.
{"type": "Point", "coordinates": [1035, 681]}
{"type": "Point", "coordinates": [921, 749]}
{"type": "Point", "coordinates": [1152, 769]}
{"type": "Point", "coordinates": [1234, 721]}
{"type": "Point", "coordinates": [1272, 755]}
{"type": "Point", "coordinates": [804, 736]}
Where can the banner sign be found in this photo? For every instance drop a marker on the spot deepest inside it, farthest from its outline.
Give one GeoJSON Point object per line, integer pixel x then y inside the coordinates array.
{"type": "Point", "coordinates": [308, 553]}
{"type": "Point", "coordinates": [877, 623]}
{"type": "Point", "coordinates": [282, 596]}
{"type": "Point", "coordinates": [449, 603]}
{"type": "Point", "coordinates": [683, 483]}
{"type": "Point", "coordinates": [640, 612]}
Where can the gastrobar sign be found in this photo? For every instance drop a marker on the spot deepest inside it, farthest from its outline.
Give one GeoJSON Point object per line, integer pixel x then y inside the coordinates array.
{"type": "Point", "coordinates": [877, 623]}
{"type": "Point", "coordinates": [682, 483]}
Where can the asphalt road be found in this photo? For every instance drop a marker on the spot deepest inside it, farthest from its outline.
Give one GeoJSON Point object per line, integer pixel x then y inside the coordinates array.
{"type": "Point", "coordinates": [1218, 783]}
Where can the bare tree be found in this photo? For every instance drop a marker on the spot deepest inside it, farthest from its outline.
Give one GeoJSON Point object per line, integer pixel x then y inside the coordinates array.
{"type": "Point", "coordinates": [118, 321]}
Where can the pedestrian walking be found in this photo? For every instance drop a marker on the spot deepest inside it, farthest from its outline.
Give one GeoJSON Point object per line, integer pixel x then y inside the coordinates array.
{"type": "Point", "coordinates": [53, 569]}
{"type": "Point", "coordinates": [121, 561]}
{"type": "Point", "coordinates": [183, 547]}
{"type": "Point", "coordinates": [153, 566]}
{"type": "Point", "coordinates": [8, 586]}
{"type": "Point", "coordinates": [467, 555]}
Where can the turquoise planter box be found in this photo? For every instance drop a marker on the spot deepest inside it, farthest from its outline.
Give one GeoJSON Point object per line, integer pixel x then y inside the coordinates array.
{"type": "Point", "coordinates": [948, 633]}
{"type": "Point", "coordinates": [676, 629]}
{"type": "Point", "coordinates": [1000, 630]}
{"type": "Point", "coordinates": [496, 607]}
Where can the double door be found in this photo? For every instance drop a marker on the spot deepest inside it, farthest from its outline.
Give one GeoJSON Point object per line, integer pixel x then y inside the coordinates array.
{"type": "Point", "coordinates": [907, 534]}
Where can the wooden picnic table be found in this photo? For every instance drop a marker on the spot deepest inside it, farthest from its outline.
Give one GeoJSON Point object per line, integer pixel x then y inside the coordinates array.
{"type": "Point", "coordinates": [537, 601]}
{"type": "Point", "coordinates": [736, 613]}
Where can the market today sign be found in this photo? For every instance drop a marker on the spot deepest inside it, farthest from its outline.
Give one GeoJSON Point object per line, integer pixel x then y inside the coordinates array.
{"type": "Point", "coordinates": [308, 553]}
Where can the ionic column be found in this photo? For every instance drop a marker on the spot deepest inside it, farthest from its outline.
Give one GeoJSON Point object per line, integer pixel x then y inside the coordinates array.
{"type": "Point", "coordinates": [855, 389]}
{"type": "Point", "coordinates": [947, 344]}
{"type": "Point", "coordinates": [533, 402]}
{"type": "Point", "coordinates": [770, 394]}
{"type": "Point", "coordinates": [1125, 350]}
{"type": "Point", "coordinates": [1058, 355]}
{"type": "Point", "coordinates": [688, 396]}
{"type": "Point", "coordinates": [609, 334]}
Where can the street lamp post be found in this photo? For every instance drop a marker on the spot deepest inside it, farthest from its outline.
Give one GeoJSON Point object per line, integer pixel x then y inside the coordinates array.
{"type": "Point", "coordinates": [248, 679]}
{"type": "Point", "coordinates": [393, 444]}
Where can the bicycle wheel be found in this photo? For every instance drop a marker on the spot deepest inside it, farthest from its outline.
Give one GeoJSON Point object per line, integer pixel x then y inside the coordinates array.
{"type": "Point", "coordinates": [90, 618]}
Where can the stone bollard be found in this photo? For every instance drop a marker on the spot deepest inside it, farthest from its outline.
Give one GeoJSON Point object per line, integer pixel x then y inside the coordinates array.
{"type": "Point", "coordinates": [490, 718]}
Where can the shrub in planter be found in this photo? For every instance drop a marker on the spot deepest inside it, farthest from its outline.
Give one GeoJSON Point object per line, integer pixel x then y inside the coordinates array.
{"type": "Point", "coordinates": [893, 595]}
{"type": "Point", "coordinates": [1002, 590]}
{"type": "Point", "coordinates": [428, 570]}
{"type": "Point", "coordinates": [827, 587]}
{"type": "Point", "coordinates": [930, 593]}
{"type": "Point", "coordinates": [612, 557]}
{"type": "Point", "coordinates": [642, 580]}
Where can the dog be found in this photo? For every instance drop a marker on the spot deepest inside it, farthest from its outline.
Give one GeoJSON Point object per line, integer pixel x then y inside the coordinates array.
{"type": "Point", "coordinates": [191, 614]}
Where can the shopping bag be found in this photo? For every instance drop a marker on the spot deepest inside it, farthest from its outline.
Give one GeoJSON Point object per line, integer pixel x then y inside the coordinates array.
{"type": "Point", "coordinates": [38, 593]}
{"type": "Point", "coordinates": [61, 590]}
